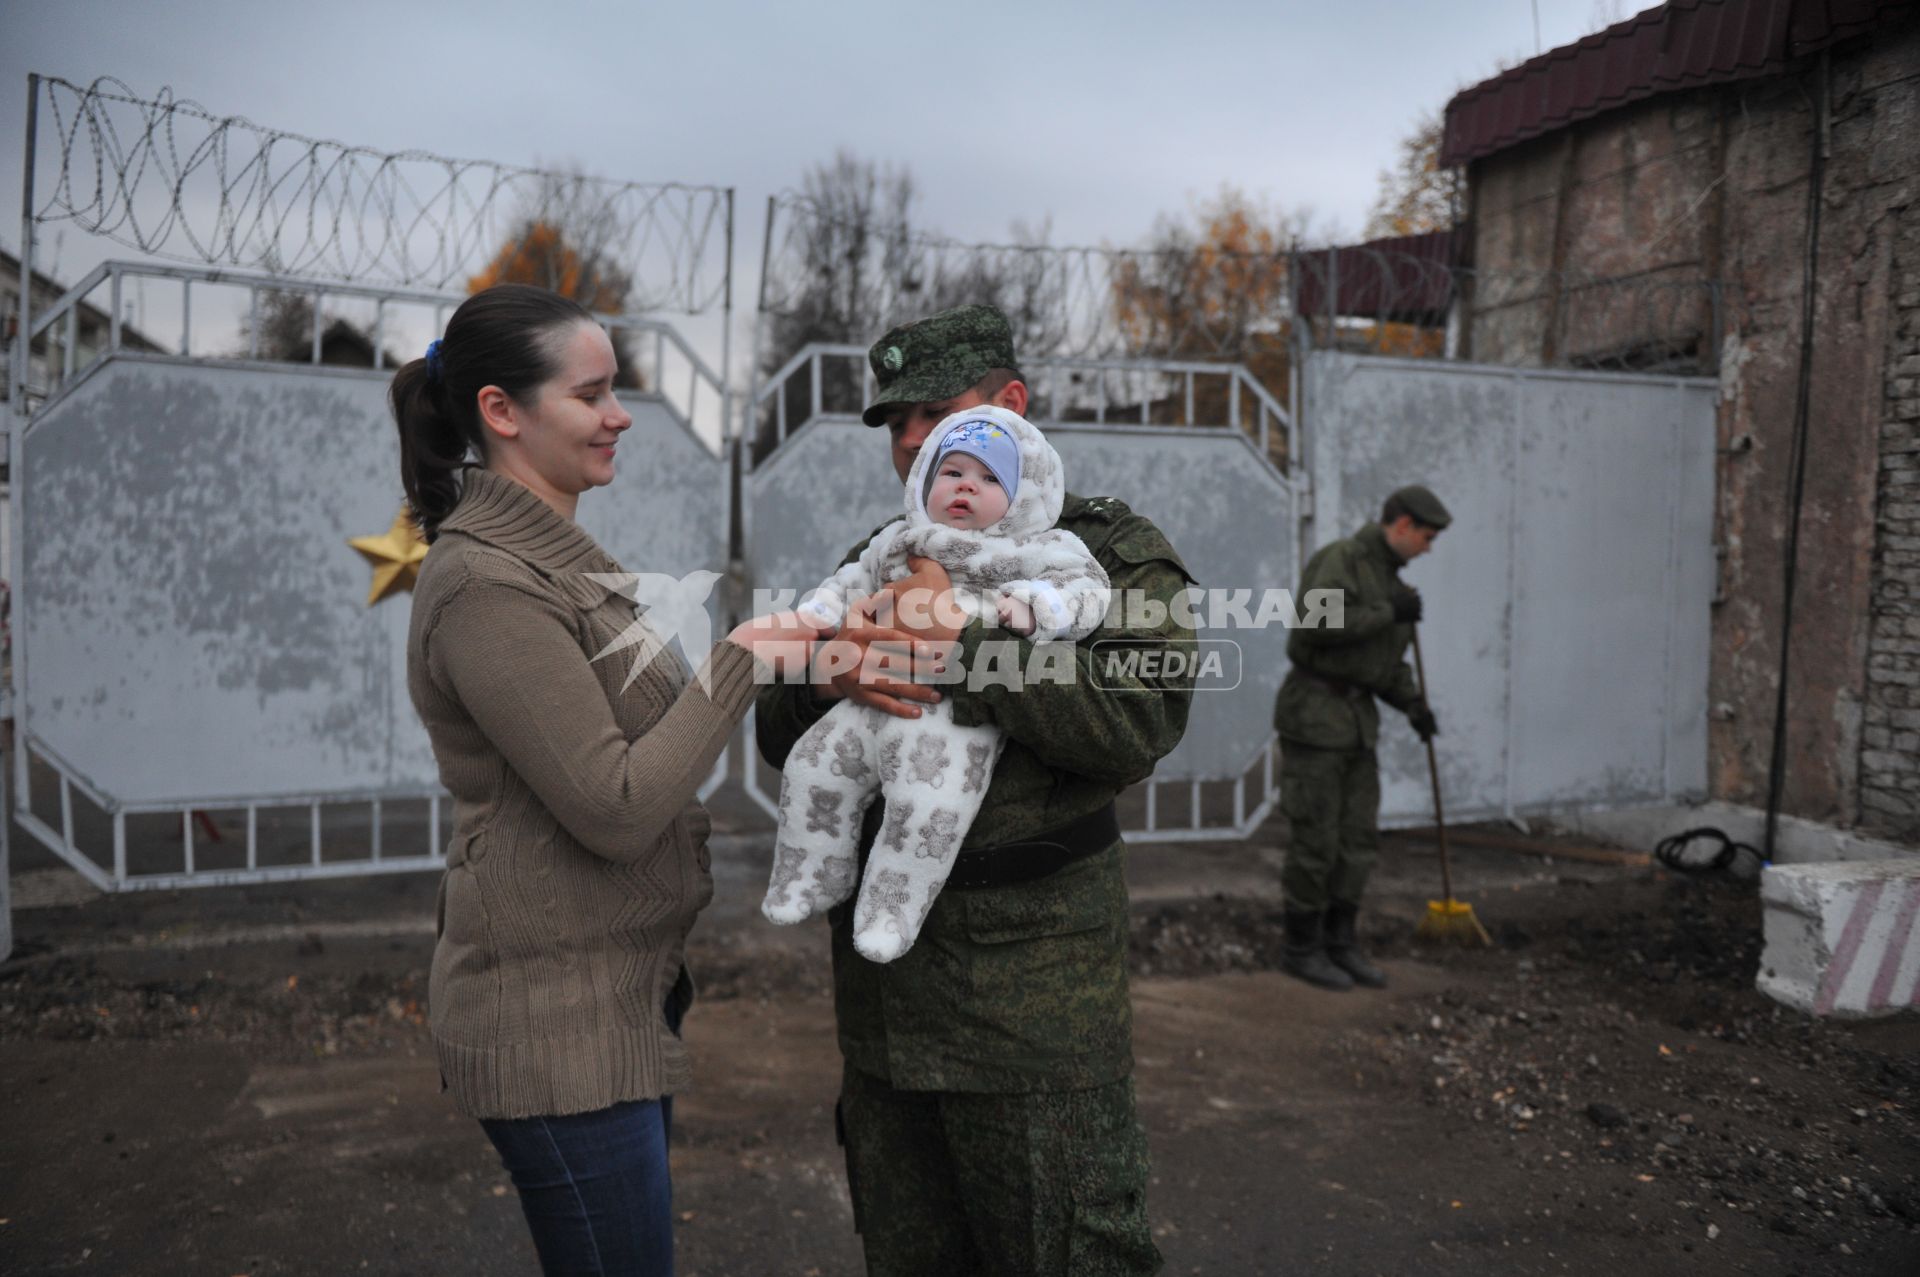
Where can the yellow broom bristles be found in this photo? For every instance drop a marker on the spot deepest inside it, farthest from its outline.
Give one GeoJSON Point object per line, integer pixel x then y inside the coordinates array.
{"type": "Point", "coordinates": [1452, 920]}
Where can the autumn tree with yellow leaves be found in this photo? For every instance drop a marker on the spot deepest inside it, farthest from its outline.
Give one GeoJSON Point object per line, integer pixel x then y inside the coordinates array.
{"type": "Point", "coordinates": [567, 239]}
{"type": "Point", "coordinates": [1416, 195]}
{"type": "Point", "coordinates": [1213, 288]}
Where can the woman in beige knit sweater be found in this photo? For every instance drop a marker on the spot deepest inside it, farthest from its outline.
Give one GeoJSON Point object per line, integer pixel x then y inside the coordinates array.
{"type": "Point", "coordinates": [578, 858]}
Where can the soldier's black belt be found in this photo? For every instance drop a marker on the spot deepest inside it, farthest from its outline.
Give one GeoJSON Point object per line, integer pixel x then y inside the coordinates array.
{"type": "Point", "coordinates": [1033, 858]}
{"type": "Point", "coordinates": [1338, 686]}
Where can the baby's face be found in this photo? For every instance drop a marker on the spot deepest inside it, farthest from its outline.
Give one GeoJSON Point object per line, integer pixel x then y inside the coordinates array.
{"type": "Point", "coordinates": [965, 494]}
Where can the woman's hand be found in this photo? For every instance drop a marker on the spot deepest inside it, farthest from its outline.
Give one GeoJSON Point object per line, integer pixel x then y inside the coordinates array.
{"type": "Point", "coordinates": [781, 639]}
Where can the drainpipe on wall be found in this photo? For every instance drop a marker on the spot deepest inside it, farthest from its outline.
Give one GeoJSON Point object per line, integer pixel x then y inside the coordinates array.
{"type": "Point", "coordinates": [1797, 459]}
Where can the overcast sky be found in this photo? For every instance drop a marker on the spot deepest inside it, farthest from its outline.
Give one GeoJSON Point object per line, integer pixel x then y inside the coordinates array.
{"type": "Point", "coordinates": [1098, 117]}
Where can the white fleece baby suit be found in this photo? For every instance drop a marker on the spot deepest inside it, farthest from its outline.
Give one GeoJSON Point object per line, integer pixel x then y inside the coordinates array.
{"type": "Point", "coordinates": [932, 772]}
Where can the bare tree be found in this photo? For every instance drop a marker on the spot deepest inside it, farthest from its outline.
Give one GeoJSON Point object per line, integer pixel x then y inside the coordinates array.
{"type": "Point", "coordinates": [851, 264]}
{"type": "Point", "coordinates": [846, 255]}
{"type": "Point", "coordinates": [1605, 13]}
{"type": "Point", "coordinates": [279, 325]}
{"type": "Point", "coordinates": [1026, 278]}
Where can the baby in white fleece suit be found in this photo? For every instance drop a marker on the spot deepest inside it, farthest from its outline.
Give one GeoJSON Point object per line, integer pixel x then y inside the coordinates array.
{"type": "Point", "coordinates": [981, 500]}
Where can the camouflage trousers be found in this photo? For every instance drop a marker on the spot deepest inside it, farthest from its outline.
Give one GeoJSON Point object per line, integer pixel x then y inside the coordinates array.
{"type": "Point", "coordinates": [1022, 1185]}
{"type": "Point", "coordinates": [1331, 798]}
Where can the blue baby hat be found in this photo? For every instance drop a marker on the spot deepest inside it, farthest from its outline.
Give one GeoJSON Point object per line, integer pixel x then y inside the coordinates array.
{"type": "Point", "coordinates": [989, 442]}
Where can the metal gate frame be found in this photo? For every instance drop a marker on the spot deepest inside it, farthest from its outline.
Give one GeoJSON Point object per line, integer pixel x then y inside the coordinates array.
{"type": "Point", "coordinates": [1322, 367]}
{"type": "Point", "coordinates": [62, 320]}
{"type": "Point", "coordinates": [29, 749]}
{"type": "Point", "coordinates": [1253, 414]}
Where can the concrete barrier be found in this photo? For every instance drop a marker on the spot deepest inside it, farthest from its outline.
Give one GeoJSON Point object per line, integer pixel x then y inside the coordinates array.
{"type": "Point", "coordinates": [1843, 938]}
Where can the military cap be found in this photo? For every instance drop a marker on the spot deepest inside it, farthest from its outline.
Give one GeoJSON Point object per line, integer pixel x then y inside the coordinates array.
{"type": "Point", "coordinates": [937, 357]}
{"type": "Point", "coordinates": [1422, 505]}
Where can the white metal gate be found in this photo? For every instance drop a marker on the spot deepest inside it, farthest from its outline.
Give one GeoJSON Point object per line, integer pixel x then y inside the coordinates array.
{"type": "Point", "coordinates": [201, 691]}
{"type": "Point", "coordinates": [194, 640]}
{"type": "Point", "coordinates": [1566, 630]}
{"type": "Point", "coordinates": [192, 646]}
{"type": "Point", "coordinates": [1214, 489]}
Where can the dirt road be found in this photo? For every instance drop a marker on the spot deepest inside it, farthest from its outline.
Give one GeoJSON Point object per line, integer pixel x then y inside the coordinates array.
{"type": "Point", "coordinates": [240, 1082]}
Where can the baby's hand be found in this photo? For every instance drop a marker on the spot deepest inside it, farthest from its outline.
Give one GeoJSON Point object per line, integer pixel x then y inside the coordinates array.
{"type": "Point", "coordinates": [818, 615]}
{"type": "Point", "coordinates": [1016, 616]}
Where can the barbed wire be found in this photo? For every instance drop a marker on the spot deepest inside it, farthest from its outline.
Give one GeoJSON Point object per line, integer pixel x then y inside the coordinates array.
{"type": "Point", "coordinates": [165, 176]}
{"type": "Point", "coordinates": [1420, 303]}
{"type": "Point", "coordinates": [845, 281]}
{"type": "Point", "coordinates": [834, 280]}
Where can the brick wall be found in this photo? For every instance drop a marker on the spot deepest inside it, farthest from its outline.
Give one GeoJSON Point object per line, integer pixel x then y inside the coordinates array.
{"type": "Point", "coordinates": [1890, 739]}
{"type": "Point", "coordinates": [1711, 185]}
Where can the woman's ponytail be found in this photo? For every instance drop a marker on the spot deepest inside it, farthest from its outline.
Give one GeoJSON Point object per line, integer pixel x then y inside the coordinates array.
{"type": "Point", "coordinates": [433, 444]}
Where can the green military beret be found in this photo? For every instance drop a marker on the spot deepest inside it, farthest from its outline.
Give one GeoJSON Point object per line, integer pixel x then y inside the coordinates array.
{"type": "Point", "coordinates": [1422, 505]}
{"type": "Point", "coordinates": [937, 357]}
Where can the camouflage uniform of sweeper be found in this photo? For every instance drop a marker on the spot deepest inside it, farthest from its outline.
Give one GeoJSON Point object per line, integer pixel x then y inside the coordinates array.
{"type": "Point", "coordinates": [987, 1105]}
{"type": "Point", "coordinates": [1329, 726]}
{"type": "Point", "coordinates": [932, 771]}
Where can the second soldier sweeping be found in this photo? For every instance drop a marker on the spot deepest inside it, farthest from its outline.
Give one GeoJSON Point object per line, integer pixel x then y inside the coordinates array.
{"type": "Point", "coordinates": [1328, 724]}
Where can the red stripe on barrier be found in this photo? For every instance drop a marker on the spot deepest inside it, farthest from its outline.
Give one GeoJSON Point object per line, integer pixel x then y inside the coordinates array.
{"type": "Point", "coordinates": [1850, 937]}
{"type": "Point", "coordinates": [1896, 948]}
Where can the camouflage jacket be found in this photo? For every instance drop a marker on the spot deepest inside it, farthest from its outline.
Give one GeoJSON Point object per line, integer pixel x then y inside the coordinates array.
{"type": "Point", "coordinates": [1024, 987]}
{"type": "Point", "coordinates": [1368, 652]}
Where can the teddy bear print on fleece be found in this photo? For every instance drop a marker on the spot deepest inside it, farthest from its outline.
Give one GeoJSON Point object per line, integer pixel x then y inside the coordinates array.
{"type": "Point", "coordinates": [932, 772]}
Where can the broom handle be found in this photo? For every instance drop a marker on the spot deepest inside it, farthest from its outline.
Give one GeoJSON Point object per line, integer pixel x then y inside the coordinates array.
{"type": "Point", "coordinates": [1433, 772]}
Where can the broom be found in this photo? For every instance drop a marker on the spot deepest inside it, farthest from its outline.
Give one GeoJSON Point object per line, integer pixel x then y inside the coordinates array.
{"type": "Point", "coordinates": [1447, 919]}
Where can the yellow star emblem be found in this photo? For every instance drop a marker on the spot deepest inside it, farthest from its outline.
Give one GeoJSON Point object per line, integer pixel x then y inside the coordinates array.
{"type": "Point", "coordinates": [395, 556]}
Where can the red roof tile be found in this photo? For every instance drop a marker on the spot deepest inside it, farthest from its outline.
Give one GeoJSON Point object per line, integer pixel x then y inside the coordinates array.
{"type": "Point", "coordinates": [1683, 44]}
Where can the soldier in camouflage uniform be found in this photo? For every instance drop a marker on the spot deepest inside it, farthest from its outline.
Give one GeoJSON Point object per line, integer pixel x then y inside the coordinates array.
{"type": "Point", "coordinates": [1328, 726]}
{"type": "Point", "coordinates": [987, 1105]}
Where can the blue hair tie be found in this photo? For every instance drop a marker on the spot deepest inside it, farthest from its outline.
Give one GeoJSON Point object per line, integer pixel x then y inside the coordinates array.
{"type": "Point", "coordinates": [433, 359]}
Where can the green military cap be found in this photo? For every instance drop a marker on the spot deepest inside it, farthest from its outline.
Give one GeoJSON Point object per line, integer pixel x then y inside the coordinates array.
{"type": "Point", "coordinates": [938, 357]}
{"type": "Point", "coordinates": [1422, 505]}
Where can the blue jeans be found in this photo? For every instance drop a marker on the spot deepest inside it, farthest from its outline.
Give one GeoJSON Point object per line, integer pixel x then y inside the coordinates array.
{"type": "Point", "coordinates": [594, 1188]}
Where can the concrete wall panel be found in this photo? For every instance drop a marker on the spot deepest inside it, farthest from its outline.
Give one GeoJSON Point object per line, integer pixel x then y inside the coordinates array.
{"type": "Point", "coordinates": [194, 622]}
{"type": "Point", "coordinates": [1227, 514]}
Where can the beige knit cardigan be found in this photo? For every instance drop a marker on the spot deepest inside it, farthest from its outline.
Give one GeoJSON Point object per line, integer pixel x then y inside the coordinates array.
{"type": "Point", "coordinates": [578, 855]}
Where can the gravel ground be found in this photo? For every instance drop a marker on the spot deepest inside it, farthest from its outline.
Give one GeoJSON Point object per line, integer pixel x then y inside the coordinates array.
{"type": "Point", "coordinates": [1605, 1082]}
{"type": "Point", "coordinates": [1624, 1031]}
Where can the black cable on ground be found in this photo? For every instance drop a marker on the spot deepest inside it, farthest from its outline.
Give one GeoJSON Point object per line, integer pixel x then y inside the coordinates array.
{"type": "Point", "coordinates": [1673, 852]}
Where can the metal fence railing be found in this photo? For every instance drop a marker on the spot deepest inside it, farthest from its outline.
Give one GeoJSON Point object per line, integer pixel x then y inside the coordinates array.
{"type": "Point", "coordinates": [834, 379]}
{"type": "Point", "coordinates": [664, 362]}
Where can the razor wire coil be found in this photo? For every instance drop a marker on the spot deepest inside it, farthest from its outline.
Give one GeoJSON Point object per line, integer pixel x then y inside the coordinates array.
{"type": "Point", "coordinates": [1196, 300]}
{"type": "Point", "coordinates": [167, 177]}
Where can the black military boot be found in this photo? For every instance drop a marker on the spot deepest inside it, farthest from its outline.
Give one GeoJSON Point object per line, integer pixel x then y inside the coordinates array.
{"type": "Point", "coordinates": [1304, 957]}
{"type": "Point", "coordinates": [1343, 947]}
